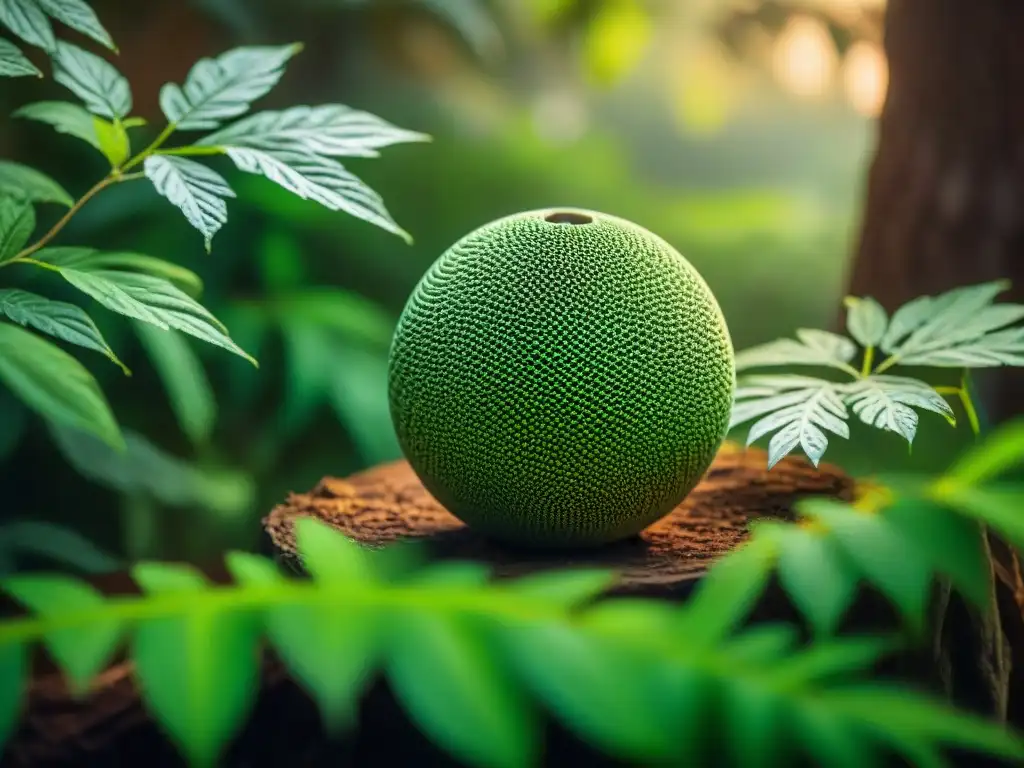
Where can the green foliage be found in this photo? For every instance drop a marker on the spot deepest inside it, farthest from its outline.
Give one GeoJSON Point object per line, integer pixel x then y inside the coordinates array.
{"type": "Point", "coordinates": [958, 329]}
{"type": "Point", "coordinates": [467, 657]}
{"type": "Point", "coordinates": [295, 148]}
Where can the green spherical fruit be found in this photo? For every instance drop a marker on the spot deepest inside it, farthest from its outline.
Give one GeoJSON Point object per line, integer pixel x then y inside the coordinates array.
{"type": "Point", "coordinates": [561, 378]}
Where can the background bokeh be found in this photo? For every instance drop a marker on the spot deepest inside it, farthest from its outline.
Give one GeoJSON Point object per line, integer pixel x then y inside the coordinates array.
{"type": "Point", "coordinates": [739, 130]}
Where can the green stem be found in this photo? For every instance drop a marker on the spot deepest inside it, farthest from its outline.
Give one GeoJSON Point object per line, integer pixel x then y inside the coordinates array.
{"type": "Point", "coordinates": [972, 414]}
{"type": "Point", "coordinates": [947, 390]}
{"type": "Point", "coordinates": [888, 363]}
{"type": "Point", "coordinates": [153, 147]}
{"type": "Point", "coordinates": [191, 151]}
{"type": "Point", "coordinates": [99, 186]}
{"type": "Point", "coordinates": [869, 357]}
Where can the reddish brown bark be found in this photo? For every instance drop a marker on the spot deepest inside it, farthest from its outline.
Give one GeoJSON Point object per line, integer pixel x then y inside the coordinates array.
{"type": "Point", "coordinates": [945, 193]}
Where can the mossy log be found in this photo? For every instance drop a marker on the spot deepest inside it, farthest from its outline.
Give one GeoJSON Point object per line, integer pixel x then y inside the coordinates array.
{"type": "Point", "coordinates": [110, 726]}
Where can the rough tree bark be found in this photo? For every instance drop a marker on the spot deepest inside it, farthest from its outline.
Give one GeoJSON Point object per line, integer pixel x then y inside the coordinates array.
{"type": "Point", "coordinates": [945, 208]}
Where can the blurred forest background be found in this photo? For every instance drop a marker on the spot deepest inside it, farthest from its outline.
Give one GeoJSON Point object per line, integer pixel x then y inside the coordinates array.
{"type": "Point", "coordinates": [739, 130]}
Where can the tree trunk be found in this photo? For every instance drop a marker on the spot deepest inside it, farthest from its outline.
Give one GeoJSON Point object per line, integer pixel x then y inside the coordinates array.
{"type": "Point", "coordinates": [945, 193]}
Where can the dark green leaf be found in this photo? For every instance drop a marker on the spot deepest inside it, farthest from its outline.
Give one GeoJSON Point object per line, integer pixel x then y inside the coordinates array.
{"type": "Point", "coordinates": [79, 16]}
{"type": "Point", "coordinates": [57, 318]}
{"type": "Point", "coordinates": [153, 300]}
{"type": "Point", "coordinates": [453, 688]}
{"type": "Point", "coordinates": [1002, 450]}
{"type": "Point", "coordinates": [351, 316]}
{"type": "Point", "coordinates": [818, 577]}
{"type": "Point", "coordinates": [328, 554]}
{"type": "Point", "coordinates": [881, 552]}
{"type": "Point", "coordinates": [599, 690]}
{"type": "Point", "coordinates": [55, 385]}
{"type": "Point", "coordinates": [13, 62]}
{"type": "Point", "coordinates": [20, 181]}
{"type": "Point", "coordinates": [89, 259]}
{"type": "Point", "coordinates": [999, 507]}
{"type": "Point", "coordinates": [825, 660]}
{"type": "Point", "coordinates": [184, 379]}
{"type": "Point", "coordinates": [754, 722]}
{"type": "Point", "coordinates": [14, 416]}
{"type": "Point", "coordinates": [81, 651]}
{"type": "Point", "coordinates": [65, 117]}
{"type": "Point", "coordinates": [950, 542]}
{"type": "Point", "coordinates": [762, 643]}
{"type": "Point", "coordinates": [451, 573]}
{"type": "Point", "coordinates": [831, 741]}
{"type": "Point", "coordinates": [17, 221]}
{"type": "Point", "coordinates": [14, 672]}
{"type": "Point", "coordinates": [358, 393]}
{"type": "Point", "coordinates": [26, 19]}
{"type": "Point", "coordinates": [95, 81]}
{"type": "Point", "coordinates": [58, 543]}
{"type": "Point", "coordinates": [198, 671]}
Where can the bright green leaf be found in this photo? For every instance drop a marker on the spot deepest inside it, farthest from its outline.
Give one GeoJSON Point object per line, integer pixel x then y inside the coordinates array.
{"type": "Point", "coordinates": [1002, 450]}
{"type": "Point", "coordinates": [880, 551]}
{"type": "Point", "coordinates": [57, 318]}
{"type": "Point", "coordinates": [453, 687]}
{"type": "Point", "coordinates": [999, 507]}
{"type": "Point", "coordinates": [79, 16]}
{"type": "Point", "coordinates": [13, 62]}
{"type": "Point", "coordinates": [184, 378]}
{"type": "Point", "coordinates": [82, 651]}
{"type": "Point", "coordinates": [65, 117]}
{"type": "Point", "coordinates": [113, 141]}
{"type": "Point", "coordinates": [761, 643]}
{"type": "Point", "coordinates": [17, 222]}
{"type": "Point", "coordinates": [865, 320]}
{"type": "Point", "coordinates": [152, 300]}
{"type": "Point", "coordinates": [817, 576]}
{"type": "Point", "coordinates": [89, 259]}
{"type": "Point", "coordinates": [26, 19]}
{"type": "Point", "coordinates": [826, 660]}
{"type": "Point", "coordinates": [20, 181]}
{"type": "Point", "coordinates": [566, 588]}
{"type": "Point", "coordinates": [95, 81]}
{"type": "Point", "coordinates": [55, 385]}
{"type": "Point", "coordinates": [754, 720]}
{"type": "Point", "coordinates": [330, 555]}
{"type": "Point", "coordinates": [451, 573]}
{"type": "Point", "coordinates": [14, 674]}
{"type": "Point", "coordinates": [222, 88]}
{"type": "Point", "coordinates": [197, 190]}
{"type": "Point", "coordinates": [198, 671]}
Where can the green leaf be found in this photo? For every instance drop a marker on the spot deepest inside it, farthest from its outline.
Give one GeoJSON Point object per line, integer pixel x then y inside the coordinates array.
{"type": "Point", "coordinates": [184, 378]}
{"type": "Point", "coordinates": [89, 259]}
{"type": "Point", "coordinates": [817, 576]}
{"type": "Point", "coordinates": [885, 402]}
{"type": "Point", "coordinates": [320, 179]}
{"type": "Point", "coordinates": [57, 318]}
{"type": "Point", "coordinates": [798, 417]}
{"type": "Point", "coordinates": [222, 88]}
{"type": "Point", "coordinates": [17, 222]}
{"type": "Point", "coordinates": [998, 507]}
{"type": "Point", "coordinates": [13, 62]}
{"type": "Point", "coordinates": [331, 130]}
{"type": "Point", "coordinates": [82, 651]}
{"type": "Point", "coordinates": [813, 347]}
{"type": "Point", "coordinates": [198, 671]}
{"type": "Point", "coordinates": [866, 320]}
{"type": "Point", "coordinates": [79, 16]}
{"type": "Point", "coordinates": [26, 19]}
{"type": "Point", "coordinates": [451, 684]}
{"type": "Point", "coordinates": [565, 588]}
{"type": "Point", "coordinates": [65, 117]}
{"type": "Point", "coordinates": [451, 573]}
{"type": "Point", "coordinates": [358, 394]}
{"type": "Point", "coordinates": [894, 712]}
{"type": "Point", "coordinates": [113, 141]}
{"type": "Point", "coordinates": [14, 675]}
{"type": "Point", "coordinates": [353, 318]}
{"type": "Point", "coordinates": [58, 543]}
{"type": "Point", "coordinates": [197, 190]}
{"type": "Point", "coordinates": [729, 591]}
{"type": "Point", "coordinates": [755, 722]}
{"type": "Point", "coordinates": [328, 554]}
{"type": "Point", "coordinates": [17, 180]}
{"type": "Point", "coordinates": [55, 385]}
{"type": "Point", "coordinates": [1002, 450]}
{"type": "Point", "coordinates": [951, 543]}
{"type": "Point", "coordinates": [152, 300]}
{"type": "Point", "coordinates": [144, 469]}
{"type": "Point", "coordinates": [880, 551]}
{"type": "Point", "coordinates": [830, 740]}
{"type": "Point", "coordinates": [828, 660]}
{"type": "Point", "coordinates": [95, 81]}
{"type": "Point", "coordinates": [331, 650]}
{"type": "Point", "coordinates": [599, 690]}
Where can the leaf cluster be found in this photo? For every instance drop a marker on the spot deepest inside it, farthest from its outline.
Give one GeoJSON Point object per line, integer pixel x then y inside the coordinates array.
{"type": "Point", "coordinates": [962, 328]}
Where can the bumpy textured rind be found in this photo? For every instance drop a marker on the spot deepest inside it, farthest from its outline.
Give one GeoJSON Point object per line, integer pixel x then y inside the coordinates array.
{"type": "Point", "coordinates": [557, 383]}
